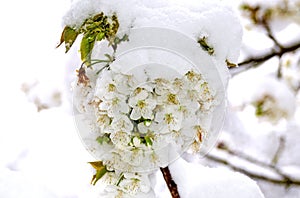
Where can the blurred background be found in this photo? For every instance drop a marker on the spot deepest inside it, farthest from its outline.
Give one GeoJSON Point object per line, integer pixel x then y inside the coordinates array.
{"type": "Point", "coordinates": [41, 154]}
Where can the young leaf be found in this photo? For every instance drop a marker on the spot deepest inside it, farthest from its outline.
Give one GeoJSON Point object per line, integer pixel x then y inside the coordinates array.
{"type": "Point", "coordinates": [98, 165]}
{"type": "Point", "coordinates": [148, 141]}
{"type": "Point", "coordinates": [68, 37]}
{"type": "Point", "coordinates": [101, 139]}
{"type": "Point", "coordinates": [100, 36]}
{"type": "Point", "coordinates": [230, 65]}
{"type": "Point", "coordinates": [86, 47]}
{"type": "Point", "coordinates": [100, 171]}
{"type": "Point", "coordinates": [205, 46]}
{"type": "Point", "coordinates": [99, 174]}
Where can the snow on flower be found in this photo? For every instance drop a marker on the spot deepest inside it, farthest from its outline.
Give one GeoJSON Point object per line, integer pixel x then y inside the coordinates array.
{"type": "Point", "coordinates": [269, 99]}
{"type": "Point", "coordinates": [150, 107]}
{"type": "Point", "coordinates": [146, 125]}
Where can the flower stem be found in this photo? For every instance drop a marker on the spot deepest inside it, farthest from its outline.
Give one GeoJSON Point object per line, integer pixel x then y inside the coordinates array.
{"type": "Point", "coordinates": [170, 182]}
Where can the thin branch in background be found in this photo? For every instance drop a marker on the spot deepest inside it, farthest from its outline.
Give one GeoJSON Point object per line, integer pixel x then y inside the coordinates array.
{"type": "Point", "coordinates": [279, 151]}
{"type": "Point", "coordinates": [241, 155]}
{"type": "Point", "coordinates": [170, 182]}
{"type": "Point", "coordinates": [279, 70]}
{"type": "Point", "coordinates": [253, 62]}
{"type": "Point", "coordinates": [262, 18]}
{"type": "Point", "coordinates": [265, 23]}
{"type": "Point", "coordinates": [284, 179]}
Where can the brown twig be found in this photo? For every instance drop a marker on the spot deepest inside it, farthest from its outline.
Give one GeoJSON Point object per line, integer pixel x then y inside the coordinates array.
{"type": "Point", "coordinates": [265, 23]}
{"type": "Point", "coordinates": [256, 61]}
{"type": "Point", "coordinates": [170, 182]}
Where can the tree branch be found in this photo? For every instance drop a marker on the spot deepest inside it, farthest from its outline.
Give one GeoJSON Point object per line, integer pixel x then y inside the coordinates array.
{"type": "Point", "coordinates": [279, 150]}
{"type": "Point", "coordinates": [170, 182]}
{"type": "Point", "coordinates": [283, 179]}
{"type": "Point", "coordinates": [256, 61]}
{"type": "Point", "coordinates": [265, 23]}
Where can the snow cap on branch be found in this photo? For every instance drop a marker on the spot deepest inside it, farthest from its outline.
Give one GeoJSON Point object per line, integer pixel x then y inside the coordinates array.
{"type": "Point", "coordinates": [212, 20]}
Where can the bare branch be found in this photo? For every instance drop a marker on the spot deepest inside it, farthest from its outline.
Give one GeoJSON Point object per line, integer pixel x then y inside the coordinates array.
{"type": "Point", "coordinates": [170, 182]}
{"type": "Point", "coordinates": [256, 61]}
{"type": "Point", "coordinates": [284, 181]}
{"type": "Point", "coordinates": [283, 178]}
{"type": "Point", "coordinates": [265, 24]}
{"type": "Point", "coordinates": [279, 151]}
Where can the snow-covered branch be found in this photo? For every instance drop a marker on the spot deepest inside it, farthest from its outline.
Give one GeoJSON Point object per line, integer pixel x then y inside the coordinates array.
{"type": "Point", "coordinates": [260, 170]}
{"type": "Point", "coordinates": [262, 18]}
{"type": "Point", "coordinates": [257, 60]}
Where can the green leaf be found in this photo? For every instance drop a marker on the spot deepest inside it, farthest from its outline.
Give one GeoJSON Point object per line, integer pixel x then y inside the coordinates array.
{"type": "Point", "coordinates": [86, 47]}
{"type": "Point", "coordinates": [259, 111]}
{"type": "Point", "coordinates": [68, 37]}
{"type": "Point", "coordinates": [103, 139]}
{"type": "Point", "coordinates": [98, 165]}
{"type": "Point", "coordinates": [100, 36]}
{"type": "Point", "coordinates": [205, 46]}
{"type": "Point", "coordinates": [100, 171]}
{"type": "Point", "coordinates": [148, 141]}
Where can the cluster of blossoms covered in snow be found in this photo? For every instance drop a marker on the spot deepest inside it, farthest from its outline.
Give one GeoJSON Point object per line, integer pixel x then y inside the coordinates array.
{"type": "Point", "coordinates": [142, 126]}
{"type": "Point", "coordinates": [136, 122]}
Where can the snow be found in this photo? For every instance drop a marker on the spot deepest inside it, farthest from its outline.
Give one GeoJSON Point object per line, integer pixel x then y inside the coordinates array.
{"type": "Point", "coordinates": [293, 30]}
{"type": "Point", "coordinates": [255, 43]}
{"type": "Point", "coordinates": [178, 15]}
{"type": "Point", "coordinates": [15, 184]}
{"type": "Point", "coordinates": [265, 86]}
{"type": "Point", "coordinates": [291, 171]}
{"type": "Point", "coordinates": [291, 155]}
{"type": "Point", "coordinates": [194, 180]}
{"type": "Point", "coordinates": [41, 153]}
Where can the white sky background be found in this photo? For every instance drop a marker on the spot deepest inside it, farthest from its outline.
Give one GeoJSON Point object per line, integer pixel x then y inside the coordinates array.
{"type": "Point", "coordinates": [43, 147]}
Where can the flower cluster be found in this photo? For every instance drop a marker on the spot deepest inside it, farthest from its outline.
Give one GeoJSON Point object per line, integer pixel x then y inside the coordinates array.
{"type": "Point", "coordinates": [141, 126]}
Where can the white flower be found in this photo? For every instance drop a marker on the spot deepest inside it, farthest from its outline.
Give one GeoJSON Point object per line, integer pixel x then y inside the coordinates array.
{"type": "Point", "coordinates": [113, 160]}
{"type": "Point", "coordinates": [178, 85]}
{"type": "Point", "coordinates": [192, 78]}
{"type": "Point", "coordinates": [82, 97]}
{"type": "Point", "coordinates": [140, 93]}
{"type": "Point", "coordinates": [168, 98]}
{"type": "Point", "coordinates": [161, 85]}
{"type": "Point", "coordinates": [122, 123]}
{"type": "Point", "coordinates": [106, 88]}
{"type": "Point", "coordinates": [124, 83]}
{"type": "Point", "coordinates": [142, 108]}
{"type": "Point", "coordinates": [205, 93]}
{"type": "Point", "coordinates": [189, 108]}
{"type": "Point", "coordinates": [114, 106]}
{"type": "Point", "coordinates": [130, 183]}
{"type": "Point", "coordinates": [169, 119]}
{"type": "Point", "coordinates": [148, 126]}
{"type": "Point", "coordinates": [133, 157]}
{"type": "Point", "coordinates": [120, 139]}
{"type": "Point", "coordinates": [136, 142]}
{"type": "Point", "coordinates": [103, 121]}
{"type": "Point", "coordinates": [160, 156]}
